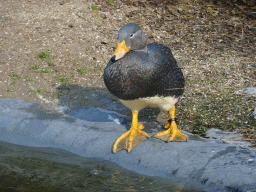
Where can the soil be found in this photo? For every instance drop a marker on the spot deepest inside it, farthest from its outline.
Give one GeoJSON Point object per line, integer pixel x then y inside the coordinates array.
{"type": "Point", "coordinates": [54, 51]}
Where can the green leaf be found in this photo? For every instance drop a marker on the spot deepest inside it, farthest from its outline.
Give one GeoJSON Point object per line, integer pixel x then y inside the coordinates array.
{"type": "Point", "coordinates": [254, 21]}
{"type": "Point", "coordinates": [95, 8]}
{"type": "Point", "coordinates": [110, 1]}
{"type": "Point", "coordinates": [13, 83]}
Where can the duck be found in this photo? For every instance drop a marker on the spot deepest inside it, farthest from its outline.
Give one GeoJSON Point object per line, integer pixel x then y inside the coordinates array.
{"type": "Point", "coordinates": [141, 75]}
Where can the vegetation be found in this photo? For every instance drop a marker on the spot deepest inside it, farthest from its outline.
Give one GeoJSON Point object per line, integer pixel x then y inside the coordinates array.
{"type": "Point", "coordinates": [38, 91]}
{"type": "Point", "coordinates": [46, 56]}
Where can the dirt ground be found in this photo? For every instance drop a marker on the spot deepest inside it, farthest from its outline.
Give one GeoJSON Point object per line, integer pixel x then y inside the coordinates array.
{"type": "Point", "coordinates": [54, 50]}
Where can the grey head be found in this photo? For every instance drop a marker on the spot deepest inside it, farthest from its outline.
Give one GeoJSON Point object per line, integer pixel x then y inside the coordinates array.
{"type": "Point", "coordinates": [134, 37]}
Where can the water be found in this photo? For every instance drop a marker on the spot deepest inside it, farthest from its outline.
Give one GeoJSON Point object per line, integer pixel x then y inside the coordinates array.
{"type": "Point", "coordinates": [49, 169]}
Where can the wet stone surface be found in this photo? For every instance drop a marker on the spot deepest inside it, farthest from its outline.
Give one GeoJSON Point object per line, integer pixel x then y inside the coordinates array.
{"type": "Point", "coordinates": [227, 137]}
{"type": "Point", "coordinates": [58, 145]}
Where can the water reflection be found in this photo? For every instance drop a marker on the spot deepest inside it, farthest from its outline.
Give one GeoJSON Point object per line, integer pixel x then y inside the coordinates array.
{"type": "Point", "coordinates": [48, 169]}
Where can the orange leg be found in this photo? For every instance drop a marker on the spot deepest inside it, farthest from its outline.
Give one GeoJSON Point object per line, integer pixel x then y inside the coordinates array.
{"type": "Point", "coordinates": [172, 133]}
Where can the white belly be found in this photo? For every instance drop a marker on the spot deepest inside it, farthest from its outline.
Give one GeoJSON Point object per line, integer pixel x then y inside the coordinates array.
{"type": "Point", "coordinates": [164, 103]}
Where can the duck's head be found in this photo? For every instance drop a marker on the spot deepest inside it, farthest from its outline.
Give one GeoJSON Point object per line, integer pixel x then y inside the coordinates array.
{"type": "Point", "coordinates": [130, 37]}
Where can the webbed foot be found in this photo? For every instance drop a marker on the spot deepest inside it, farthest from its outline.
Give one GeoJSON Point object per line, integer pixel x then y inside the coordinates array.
{"type": "Point", "coordinates": [172, 133]}
{"type": "Point", "coordinates": [131, 138]}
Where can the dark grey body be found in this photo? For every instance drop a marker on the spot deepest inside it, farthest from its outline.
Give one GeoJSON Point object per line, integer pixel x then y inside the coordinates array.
{"type": "Point", "coordinates": [142, 74]}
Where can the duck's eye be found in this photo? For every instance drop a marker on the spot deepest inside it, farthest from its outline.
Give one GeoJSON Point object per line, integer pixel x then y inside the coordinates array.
{"type": "Point", "coordinates": [132, 34]}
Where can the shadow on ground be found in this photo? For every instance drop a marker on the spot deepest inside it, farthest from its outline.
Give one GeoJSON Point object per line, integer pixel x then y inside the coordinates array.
{"type": "Point", "coordinates": [78, 99]}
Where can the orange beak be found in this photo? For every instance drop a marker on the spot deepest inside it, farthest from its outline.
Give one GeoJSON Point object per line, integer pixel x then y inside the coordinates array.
{"type": "Point", "coordinates": [121, 50]}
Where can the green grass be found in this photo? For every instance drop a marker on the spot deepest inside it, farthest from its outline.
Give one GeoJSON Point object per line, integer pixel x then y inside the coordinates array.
{"type": "Point", "coordinates": [85, 69]}
{"type": "Point", "coordinates": [210, 100]}
{"type": "Point", "coordinates": [28, 78]}
{"type": "Point", "coordinates": [9, 90]}
{"type": "Point", "coordinates": [46, 56]}
{"type": "Point", "coordinates": [94, 8]}
{"type": "Point", "coordinates": [63, 79]}
{"type": "Point", "coordinates": [188, 81]}
{"type": "Point", "coordinates": [65, 87]}
{"type": "Point", "coordinates": [80, 71]}
{"type": "Point", "coordinates": [15, 75]}
{"type": "Point", "coordinates": [211, 11]}
{"type": "Point", "coordinates": [56, 94]}
{"type": "Point", "coordinates": [45, 71]}
{"type": "Point", "coordinates": [191, 102]}
{"type": "Point", "coordinates": [218, 111]}
{"type": "Point", "coordinates": [35, 67]}
{"type": "Point", "coordinates": [38, 91]}
{"type": "Point", "coordinates": [98, 68]}
{"type": "Point", "coordinates": [50, 62]}
{"type": "Point", "coordinates": [43, 55]}
{"type": "Point", "coordinates": [181, 9]}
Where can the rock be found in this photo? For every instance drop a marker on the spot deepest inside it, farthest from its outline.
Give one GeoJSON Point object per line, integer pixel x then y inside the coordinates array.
{"type": "Point", "coordinates": [227, 137]}
{"type": "Point", "coordinates": [197, 165]}
{"type": "Point", "coordinates": [254, 113]}
{"type": "Point", "coordinates": [251, 91]}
